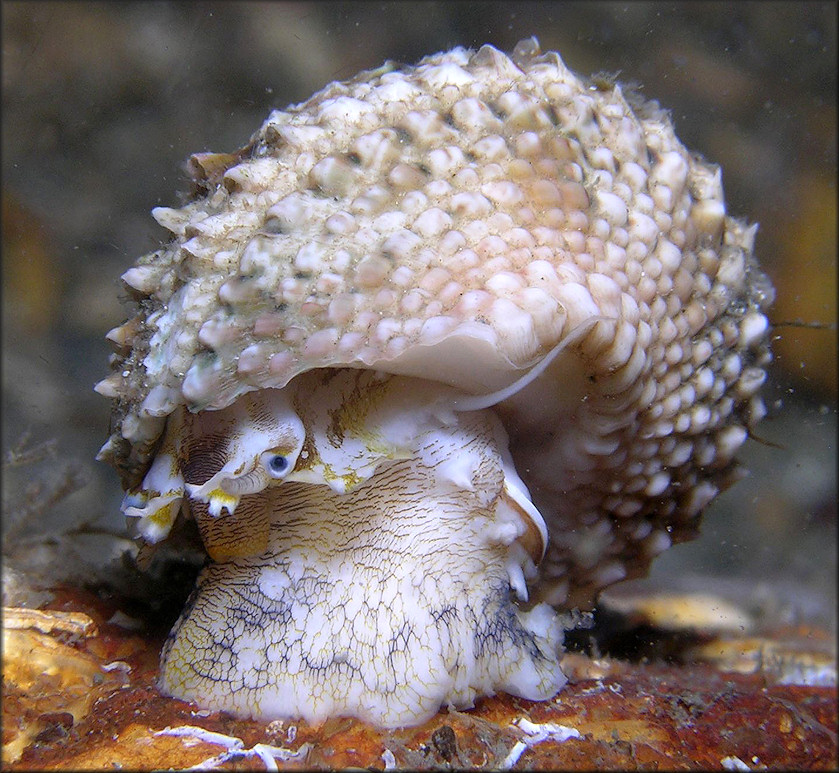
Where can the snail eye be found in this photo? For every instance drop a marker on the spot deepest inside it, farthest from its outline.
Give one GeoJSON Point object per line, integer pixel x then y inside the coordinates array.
{"type": "Point", "coordinates": [276, 464]}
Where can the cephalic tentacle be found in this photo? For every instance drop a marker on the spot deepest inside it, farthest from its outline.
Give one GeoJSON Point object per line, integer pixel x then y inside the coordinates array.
{"type": "Point", "coordinates": [215, 457]}
{"type": "Point", "coordinates": [257, 424]}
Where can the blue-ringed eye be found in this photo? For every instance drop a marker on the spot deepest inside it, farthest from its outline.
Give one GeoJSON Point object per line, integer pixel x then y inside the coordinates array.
{"type": "Point", "coordinates": [276, 464]}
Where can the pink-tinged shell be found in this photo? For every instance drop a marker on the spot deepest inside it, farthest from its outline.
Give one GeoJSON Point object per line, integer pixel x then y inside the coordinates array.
{"type": "Point", "coordinates": [455, 220]}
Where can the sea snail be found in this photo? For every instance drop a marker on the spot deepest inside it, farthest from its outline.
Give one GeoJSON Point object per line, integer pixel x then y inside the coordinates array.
{"type": "Point", "coordinates": [443, 350]}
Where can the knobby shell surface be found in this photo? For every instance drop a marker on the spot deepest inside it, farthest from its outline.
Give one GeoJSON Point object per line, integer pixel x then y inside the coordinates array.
{"type": "Point", "coordinates": [457, 221]}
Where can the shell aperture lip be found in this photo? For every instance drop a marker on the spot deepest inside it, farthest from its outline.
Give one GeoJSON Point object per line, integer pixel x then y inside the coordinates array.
{"type": "Point", "coordinates": [479, 402]}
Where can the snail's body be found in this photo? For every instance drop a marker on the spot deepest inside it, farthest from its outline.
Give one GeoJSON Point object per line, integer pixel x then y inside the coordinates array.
{"type": "Point", "coordinates": [371, 544]}
{"type": "Point", "coordinates": [384, 602]}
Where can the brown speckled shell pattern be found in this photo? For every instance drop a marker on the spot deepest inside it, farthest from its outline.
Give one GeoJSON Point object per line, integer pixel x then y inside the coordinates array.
{"type": "Point", "coordinates": [486, 198]}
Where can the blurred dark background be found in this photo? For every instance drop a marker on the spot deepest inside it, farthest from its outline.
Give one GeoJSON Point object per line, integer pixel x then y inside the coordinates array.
{"type": "Point", "coordinates": [103, 102]}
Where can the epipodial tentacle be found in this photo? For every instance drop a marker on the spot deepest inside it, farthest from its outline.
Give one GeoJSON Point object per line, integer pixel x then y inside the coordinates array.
{"type": "Point", "coordinates": [157, 501]}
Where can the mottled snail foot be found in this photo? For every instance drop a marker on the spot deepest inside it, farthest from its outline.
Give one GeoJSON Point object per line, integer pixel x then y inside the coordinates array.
{"type": "Point", "coordinates": [385, 602]}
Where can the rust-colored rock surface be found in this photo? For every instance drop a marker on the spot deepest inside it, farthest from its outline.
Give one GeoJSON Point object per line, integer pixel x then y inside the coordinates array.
{"type": "Point", "coordinates": [92, 705]}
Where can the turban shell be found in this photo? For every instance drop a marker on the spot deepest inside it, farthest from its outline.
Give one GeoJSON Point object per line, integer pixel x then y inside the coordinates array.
{"type": "Point", "coordinates": [442, 349]}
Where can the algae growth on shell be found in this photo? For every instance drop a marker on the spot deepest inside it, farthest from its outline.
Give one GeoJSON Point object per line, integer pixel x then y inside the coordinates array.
{"type": "Point", "coordinates": [442, 350]}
